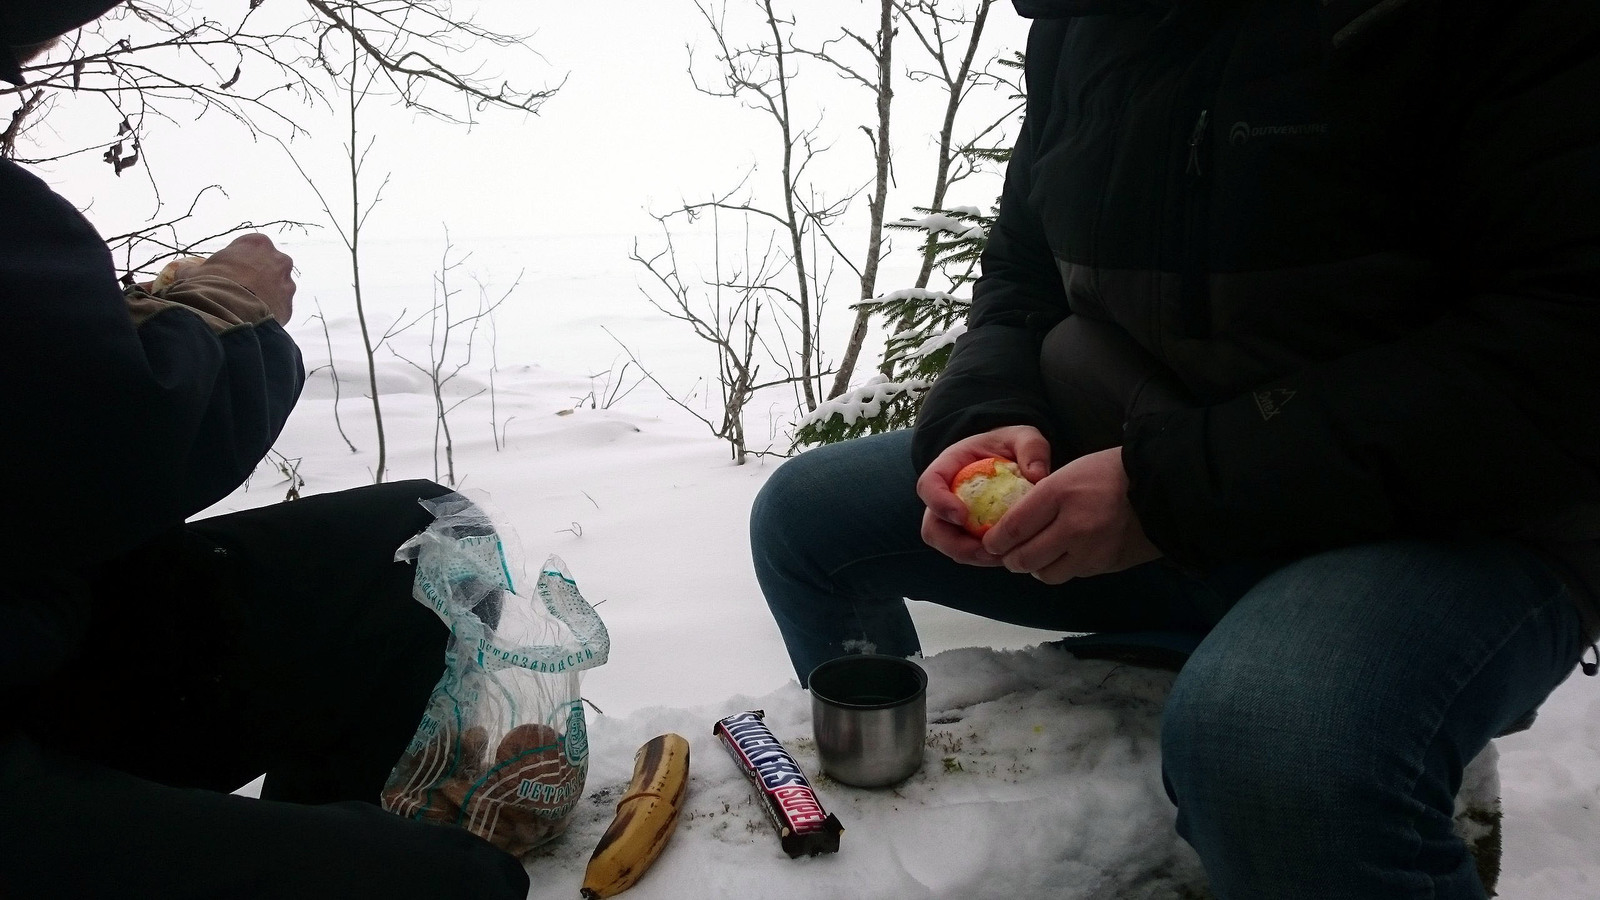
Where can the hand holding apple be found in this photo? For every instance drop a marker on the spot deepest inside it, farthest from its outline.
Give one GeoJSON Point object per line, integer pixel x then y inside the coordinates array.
{"type": "Point", "coordinates": [944, 520]}
{"type": "Point", "coordinates": [988, 487]}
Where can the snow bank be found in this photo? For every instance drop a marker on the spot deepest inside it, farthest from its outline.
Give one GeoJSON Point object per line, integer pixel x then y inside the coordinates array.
{"type": "Point", "coordinates": [1040, 777]}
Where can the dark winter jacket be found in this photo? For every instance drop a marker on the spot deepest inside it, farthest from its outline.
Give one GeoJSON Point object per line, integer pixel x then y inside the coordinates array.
{"type": "Point", "coordinates": [124, 414]}
{"type": "Point", "coordinates": [1355, 243]}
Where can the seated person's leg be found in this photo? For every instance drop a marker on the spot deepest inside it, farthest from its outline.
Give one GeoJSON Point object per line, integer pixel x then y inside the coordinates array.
{"type": "Point", "coordinates": [151, 690]}
{"type": "Point", "coordinates": [281, 640]}
{"type": "Point", "coordinates": [836, 539]}
{"type": "Point", "coordinates": [1314, 743]}
{"type": "Point", "coordinates": [77, 830]}
{"type": "Point", "coordinates": [337, 657]}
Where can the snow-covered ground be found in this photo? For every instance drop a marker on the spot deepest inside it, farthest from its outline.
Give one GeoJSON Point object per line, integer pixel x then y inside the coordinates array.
{"type": "Point", "coordinates": [1041, 777]}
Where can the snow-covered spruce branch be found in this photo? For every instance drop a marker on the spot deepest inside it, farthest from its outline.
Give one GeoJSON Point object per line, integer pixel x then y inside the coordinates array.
{"type": "Point", "coordinates": [863, 410]}
{"type": "Point", "coordinates": [915, 357]}
{"type": "Point", "coordinates": [953, 240]}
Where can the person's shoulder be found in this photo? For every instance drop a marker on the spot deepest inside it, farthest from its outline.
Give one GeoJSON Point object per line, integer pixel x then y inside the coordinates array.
{"type": "Point", "coordinates": [20, 188]}
{"type": "Point", "coordinates": [38, 217]}
{"type": "Point", "coordinates": [24, 194]}
{"type": "Point", "coordinates": [16, 181]}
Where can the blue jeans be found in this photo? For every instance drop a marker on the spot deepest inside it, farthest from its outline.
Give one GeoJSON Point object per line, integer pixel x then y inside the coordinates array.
{"type": "Point", "coordinates": [1313, 744]}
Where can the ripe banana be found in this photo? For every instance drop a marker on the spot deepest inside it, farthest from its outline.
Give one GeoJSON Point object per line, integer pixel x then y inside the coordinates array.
{"type": "Point", "coordinates": [646, 817]}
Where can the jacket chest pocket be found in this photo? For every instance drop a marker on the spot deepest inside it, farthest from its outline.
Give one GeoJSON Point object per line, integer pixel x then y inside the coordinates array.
{"type": "Point", "coordinates": [1321, 156]}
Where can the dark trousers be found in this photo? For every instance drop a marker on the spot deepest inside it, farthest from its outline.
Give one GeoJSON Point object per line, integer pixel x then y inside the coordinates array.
{"type": "Point", "coordinates": [281, 640]}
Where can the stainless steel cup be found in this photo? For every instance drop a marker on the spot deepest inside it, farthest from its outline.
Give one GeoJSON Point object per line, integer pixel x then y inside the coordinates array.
{"type": "Point", "coordinates": [869, 714]}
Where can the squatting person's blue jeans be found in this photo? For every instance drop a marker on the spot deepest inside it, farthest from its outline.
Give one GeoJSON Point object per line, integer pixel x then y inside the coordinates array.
{"type": "Point", "coordinates": [1315, 741]}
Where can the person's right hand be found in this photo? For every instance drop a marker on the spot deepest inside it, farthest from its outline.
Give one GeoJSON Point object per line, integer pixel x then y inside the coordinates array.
{"type": "Point", "coordinates": [252, 262]}
{"type": "Point", "coordinates": [943, 521]}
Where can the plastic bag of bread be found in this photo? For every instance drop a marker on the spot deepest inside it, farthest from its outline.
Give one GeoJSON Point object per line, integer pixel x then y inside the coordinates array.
{"type": "Point", "coordinates": [501, 749]}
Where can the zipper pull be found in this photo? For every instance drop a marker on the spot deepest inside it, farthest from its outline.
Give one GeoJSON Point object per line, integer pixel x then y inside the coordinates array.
{"type": "Point", "coordinates": [1195, 138]}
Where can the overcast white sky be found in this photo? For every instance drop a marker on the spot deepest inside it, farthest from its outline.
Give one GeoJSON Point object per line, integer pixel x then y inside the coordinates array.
{"type": "Point", "coordinates": [625, 133]}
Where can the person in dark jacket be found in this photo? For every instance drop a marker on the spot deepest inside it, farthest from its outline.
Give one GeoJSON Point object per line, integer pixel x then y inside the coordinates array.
{"type": "Point", "coordinates": [152, 667]}
{"type": "Point", "coordinates": [1292, 313]}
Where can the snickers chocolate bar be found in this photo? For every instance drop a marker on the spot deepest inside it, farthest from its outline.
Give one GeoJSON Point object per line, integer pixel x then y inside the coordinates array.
{"type": "Point", "coordinates": [804, 827]}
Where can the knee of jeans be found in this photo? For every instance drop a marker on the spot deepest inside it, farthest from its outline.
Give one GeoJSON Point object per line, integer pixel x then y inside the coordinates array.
{"type": "Point", "coordinates": [782, 508]}
{"type": "Point", "coordinates": [1235, 749]}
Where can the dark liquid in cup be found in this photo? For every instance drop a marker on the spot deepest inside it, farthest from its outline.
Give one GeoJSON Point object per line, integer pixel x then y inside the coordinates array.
{"type": "Point", "coordinates": [867, 682]}
{"type": "Point", "coordinates": [870, 699]}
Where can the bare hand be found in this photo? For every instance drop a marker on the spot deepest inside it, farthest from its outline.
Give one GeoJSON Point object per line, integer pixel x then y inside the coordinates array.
{"type": "Point", "coordinates": [252, 262]}
{"type": "Point", "coordinates": [942, 521]}
{"type": "Point", "coordinates": [1075, 522]}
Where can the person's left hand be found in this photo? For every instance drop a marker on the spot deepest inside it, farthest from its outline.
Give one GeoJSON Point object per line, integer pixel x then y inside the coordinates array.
{"type": "Point", "coordinates": [1076, 521]}
{"type": "Point", "coordinates": [252, 262]}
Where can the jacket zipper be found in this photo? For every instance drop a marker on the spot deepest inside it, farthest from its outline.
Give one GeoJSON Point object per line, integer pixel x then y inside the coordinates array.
{"type": "Point", "coordinates": [1195, 169]}
{"type": "Point", "coordinates": [1196, 293]}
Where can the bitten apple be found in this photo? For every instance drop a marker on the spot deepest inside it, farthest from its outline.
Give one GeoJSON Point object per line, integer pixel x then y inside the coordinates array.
{"type": "Point", "coordinates": [171, 271]}
{"type": "Point", "coordinates": [988, 487]}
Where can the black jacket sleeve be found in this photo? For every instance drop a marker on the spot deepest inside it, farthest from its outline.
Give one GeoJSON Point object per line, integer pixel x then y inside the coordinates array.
{"type": "Point", "coordinates": [119, 425]}
{"type": "Point", "coordinates": [1486, 419]}
{"type": "Point", "coordinates": [993, 379]}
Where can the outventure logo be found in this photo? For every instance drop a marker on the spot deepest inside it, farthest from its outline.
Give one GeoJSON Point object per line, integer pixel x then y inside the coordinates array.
{"type": "Point", "coordinates": [1271, 401]}
{"type": "Point", "coordinates": [1242, 132]}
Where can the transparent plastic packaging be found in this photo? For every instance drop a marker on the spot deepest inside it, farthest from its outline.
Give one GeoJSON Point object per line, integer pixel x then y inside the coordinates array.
{"type": "Point", "coordinates": [502, 748]}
